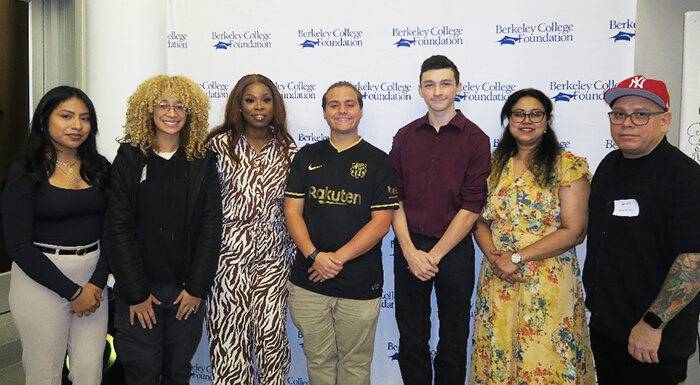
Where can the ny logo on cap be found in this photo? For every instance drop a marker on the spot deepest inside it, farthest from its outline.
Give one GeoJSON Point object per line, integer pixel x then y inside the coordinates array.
{"type": "Point", "coordinates": [638, 82]}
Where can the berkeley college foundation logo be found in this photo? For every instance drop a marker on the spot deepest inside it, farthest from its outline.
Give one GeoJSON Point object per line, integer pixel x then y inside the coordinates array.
{"type": "Point", "coordinates": [307, 139]}
{"type": "Point", "coordinates": [296, 381]}
{"type": "Point", "coordinates": [430, 36]}
{"type": "Point", "coordinates": [623, 30]}
{"type": "Point", "coordinates": [338, 37]}
{"type": "Point", "coordinates": [200, 372]}
{"type": "Point", "coordinates": [393, 351]}
{"type": "Point", "coordinates": [248, 39]}
{"type": "Point", "coordinates": [545, 32]}
{"type": "Point", "coordinates": [388, 299]}
{"type": "Point", "coordinates": [385, 91]}
{"type": "Point", "coordinates": [298, 89]}
{"type": "Point", "coordinates": [177, 40]}
{"type": "Point", "coordinates": [215, 89]}
{"type": "Point", "coordinates": [577, 90]}
{"type": "Point", "coordinates": [489, 91]}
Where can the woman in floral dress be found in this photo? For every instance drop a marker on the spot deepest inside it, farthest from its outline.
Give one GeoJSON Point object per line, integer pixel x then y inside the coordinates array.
{"type": "Point", "coordinates": [530, 321]}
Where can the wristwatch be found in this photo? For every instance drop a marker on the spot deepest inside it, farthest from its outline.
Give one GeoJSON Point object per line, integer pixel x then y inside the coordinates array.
{"type": "Point", "coordinates": [653, 320]}
{"type": "Point", "coordinates": [516, 258]}
{"type": "Point", "coordinates": [313, 255]}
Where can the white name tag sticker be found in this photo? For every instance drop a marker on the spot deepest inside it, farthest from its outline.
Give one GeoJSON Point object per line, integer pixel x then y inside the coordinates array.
{"type": "Point", "coordinates": [143, 174]}
{"type": "Point", "coordinates": [626, 208]}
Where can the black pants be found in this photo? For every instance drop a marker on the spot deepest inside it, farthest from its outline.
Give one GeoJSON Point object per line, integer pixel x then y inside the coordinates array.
{"type": "Point", "coordinates": [615, 366]}
{"type": "Point", "coordinates": [160, 355]}
{"type": "Point", "coordinates": [453, 284]}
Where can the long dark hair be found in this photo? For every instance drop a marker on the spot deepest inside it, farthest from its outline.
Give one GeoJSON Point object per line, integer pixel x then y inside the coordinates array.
{"type": "Point", "coordinates": [41, 155]}
{"type": "Point", "coordinates": [544, 160]}
{"type": "Point", "coordinates": [233, 120]}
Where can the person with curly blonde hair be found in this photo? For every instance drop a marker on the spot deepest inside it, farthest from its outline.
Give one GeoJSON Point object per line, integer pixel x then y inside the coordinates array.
{"type": "Point", "coordinates": [162, 230]}
{"type": "Point", "coordinates": [140, 126]}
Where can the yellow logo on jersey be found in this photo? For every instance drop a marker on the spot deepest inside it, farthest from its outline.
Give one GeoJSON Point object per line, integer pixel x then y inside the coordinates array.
{"type": "Point", "coordinates": [327, 196]}
{"type": "Point", "coordinates": [358, 170]}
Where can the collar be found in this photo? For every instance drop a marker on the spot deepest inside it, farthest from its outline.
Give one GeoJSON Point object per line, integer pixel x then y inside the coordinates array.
{"type": "Point", "coordinates": [346, 148]}
{"type": "Point", "coordinates": [638, 166]}
{"type": "Point", "coordinates": [459, 121]}
{"type": "Point", "coordinates": [243, 141]}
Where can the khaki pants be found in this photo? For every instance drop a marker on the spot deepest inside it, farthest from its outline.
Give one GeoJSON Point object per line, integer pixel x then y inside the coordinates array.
{"type": "Point", "coordinates": [338, 336]}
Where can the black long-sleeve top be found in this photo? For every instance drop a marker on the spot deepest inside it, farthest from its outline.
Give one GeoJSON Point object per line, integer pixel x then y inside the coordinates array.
{"type": "Point", "coordinates": [160, 229]}
{"type": "Point", "coordinates": [50, 215]}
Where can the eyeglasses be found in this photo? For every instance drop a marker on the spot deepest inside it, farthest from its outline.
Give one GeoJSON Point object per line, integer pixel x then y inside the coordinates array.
{"type": "Point", "coordinates": [179, 108]}
{"type": "Point", "coordinates": [519, 116]}
{"type": "Point", "coordinates": [638, 118]}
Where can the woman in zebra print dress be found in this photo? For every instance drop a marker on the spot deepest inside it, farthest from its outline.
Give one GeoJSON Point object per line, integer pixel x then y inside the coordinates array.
{"type": "Point", "coordinates": [246, 318]}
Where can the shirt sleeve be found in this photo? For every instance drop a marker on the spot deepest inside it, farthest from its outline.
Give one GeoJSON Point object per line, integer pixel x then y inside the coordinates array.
{"type": "Point", "coordinates": [208, 244]}
{"type": "Point", "coordinates": [119, 237]}
{"type": "Point", "coordinates": [474, 186]}
{"type": "Point", "coordinates": [395, 155]}
{"type": "Point", "coordinates": [18, 219]}
{"type": "Point", "coordinates": [573, 168]}
{"type": "Point", "coordinates": [99, 276]}
{"type": "Point", "coordinates": [385, 195]}
{"type": "Point", "coordinates": [295, 185]}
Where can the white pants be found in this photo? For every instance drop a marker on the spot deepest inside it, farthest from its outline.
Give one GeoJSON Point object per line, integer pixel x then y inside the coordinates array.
{"type": "Point", "coordinates": [47, 330]}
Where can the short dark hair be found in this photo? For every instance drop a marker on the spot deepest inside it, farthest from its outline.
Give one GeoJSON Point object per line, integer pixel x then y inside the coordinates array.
{"type": "Point", "coordinates": [438, 62]}
{"type": "Point", "coordinates": [342, 83]}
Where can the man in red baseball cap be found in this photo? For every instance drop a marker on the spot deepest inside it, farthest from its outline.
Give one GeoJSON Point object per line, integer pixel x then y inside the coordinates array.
{"type": "Point", "coordinates": [642, 271]}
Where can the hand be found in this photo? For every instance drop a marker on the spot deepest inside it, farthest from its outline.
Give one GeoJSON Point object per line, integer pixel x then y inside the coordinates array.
{"type": "Point", "coordinates": [644, 342]}
{"type": "Point", "coordinates": [504, 269]}
{"type": "Point", "coordinates": [87, 302]}
{"type": "Point", "coordinates": [188, 304]}
{"type": "Point", "coordinates": [144, 312]}
{"type": "Point", "coordinates": [421, 264]}
{"type": "Point", "coordinates": [326, 266]}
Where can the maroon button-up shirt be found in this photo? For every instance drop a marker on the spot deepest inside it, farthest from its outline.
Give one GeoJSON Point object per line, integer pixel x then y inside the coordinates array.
{"type": "Point", "coordinates": [439, 173]}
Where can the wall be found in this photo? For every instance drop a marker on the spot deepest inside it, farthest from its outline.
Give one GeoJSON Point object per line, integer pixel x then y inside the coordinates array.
{"type": "Point", "coordinates": [305, 49]}
{"type": "Point", "coordinates": [14, 91]}
{"type": "Point", "coordinates": [659, 48]}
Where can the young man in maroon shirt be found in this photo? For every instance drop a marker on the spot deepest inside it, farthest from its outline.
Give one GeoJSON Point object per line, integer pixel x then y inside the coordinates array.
{"type": "Point", "coordinates": [441, 161]}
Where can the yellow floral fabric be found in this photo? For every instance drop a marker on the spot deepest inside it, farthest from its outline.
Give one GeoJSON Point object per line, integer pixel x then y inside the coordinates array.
{"type": "Point", "coordinates": [533, 332]}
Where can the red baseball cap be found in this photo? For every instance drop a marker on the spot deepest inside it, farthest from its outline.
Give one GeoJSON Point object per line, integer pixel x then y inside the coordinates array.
{"type": "Point", "coordinates": [638, 85]}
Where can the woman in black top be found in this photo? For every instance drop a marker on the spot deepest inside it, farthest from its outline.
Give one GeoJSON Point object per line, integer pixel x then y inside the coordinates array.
{"type": "Point", "coordinates": [53, 205]}
{"type": "Point", "coordinates": [163, 230]}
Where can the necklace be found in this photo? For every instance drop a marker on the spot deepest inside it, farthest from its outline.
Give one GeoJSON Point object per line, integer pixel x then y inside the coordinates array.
{"type": "Point", "coordinates": [64, 164]}
{"type": "Point", "coordinates": [75, 180]}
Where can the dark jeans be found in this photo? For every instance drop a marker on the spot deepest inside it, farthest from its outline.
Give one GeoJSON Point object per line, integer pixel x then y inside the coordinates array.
{"type": "Point", "coordinates": [160, 355]}
{"type": "Point", "coordinates": [615, 366]}
{"type": "Point", "coordinates": [453, 288]}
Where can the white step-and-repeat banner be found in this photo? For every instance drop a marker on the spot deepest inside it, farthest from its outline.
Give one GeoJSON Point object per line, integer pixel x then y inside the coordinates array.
{"type": "Point", "coordinates": [573, 52]}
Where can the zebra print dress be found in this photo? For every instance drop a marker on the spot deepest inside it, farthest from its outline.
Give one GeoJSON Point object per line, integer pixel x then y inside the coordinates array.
{"type": "Point", "coordinates": [246, 312]}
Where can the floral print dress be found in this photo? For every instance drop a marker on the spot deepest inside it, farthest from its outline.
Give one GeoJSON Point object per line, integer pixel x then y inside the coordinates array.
{"type": "Point", "coordinates": [533, 332]}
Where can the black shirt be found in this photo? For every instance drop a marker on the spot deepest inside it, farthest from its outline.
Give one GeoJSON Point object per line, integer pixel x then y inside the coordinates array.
{"type": "Point", "coordinates": [51, 215]}
{"type": "Point", "coordinates": [340, 191]}
{"type": "Point", "coordinates": [161, 224]}
{"type": "Point", "coordinates": [643, 213]}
